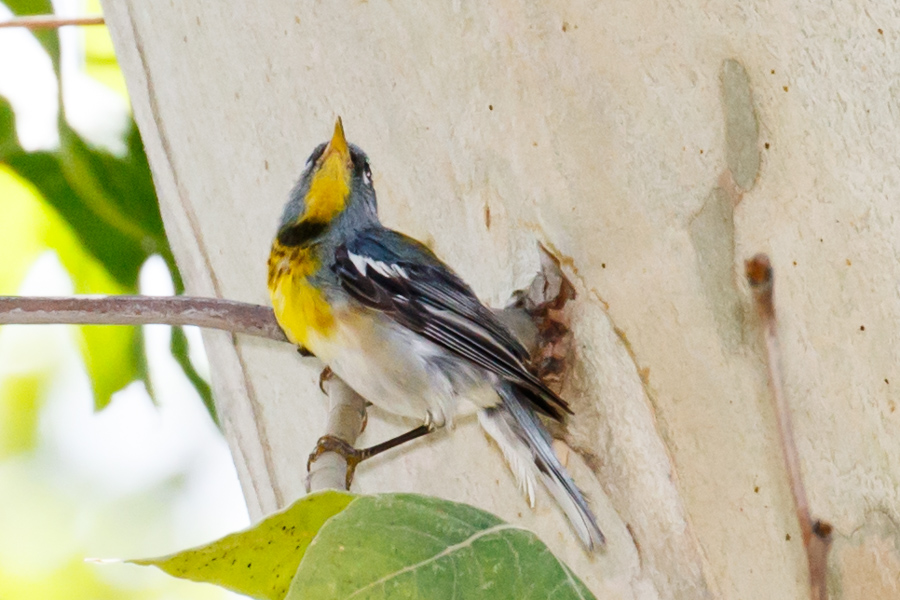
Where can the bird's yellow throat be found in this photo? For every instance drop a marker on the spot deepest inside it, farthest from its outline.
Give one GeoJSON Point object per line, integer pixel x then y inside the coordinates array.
{"type": "Point", "coordinates": [330, 185]}
{"type": "Point", "coordinates": [301, 308]}
{"type": "Point", "coordinates": [328, 190]}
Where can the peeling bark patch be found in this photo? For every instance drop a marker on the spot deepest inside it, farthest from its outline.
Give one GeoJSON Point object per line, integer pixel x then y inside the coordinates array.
{"type": "Point", "coordinates": [544, 301]}
{"type": "Point", "coordinates": [868, 559]}
{"type": "Point", "coordinates": [712, 234]}
{"type": "Point", "coordinates": [741, 126]}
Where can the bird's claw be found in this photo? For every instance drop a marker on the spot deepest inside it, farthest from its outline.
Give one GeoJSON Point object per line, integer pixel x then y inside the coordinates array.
{"type": "Point", "coordinates": [324, 376]}
{"type": "Point", "coordinates": [429, 421]}
{"type": "Point", "coordinates": [330, 443]}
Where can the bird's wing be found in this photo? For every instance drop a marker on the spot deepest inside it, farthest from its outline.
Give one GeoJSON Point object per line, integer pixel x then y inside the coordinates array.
{"type": "Point", "coordinates": [398, 276]}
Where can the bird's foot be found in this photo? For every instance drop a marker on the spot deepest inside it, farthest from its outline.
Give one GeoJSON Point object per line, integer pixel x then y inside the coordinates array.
{"type": "Point", "coordinates": [354, 456]}
{"type": "Point", "coordinates": [330, 443]}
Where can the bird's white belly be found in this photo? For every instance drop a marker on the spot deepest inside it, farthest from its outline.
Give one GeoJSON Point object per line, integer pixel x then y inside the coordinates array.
{"type": "Point", "coordinates": [389, 366]}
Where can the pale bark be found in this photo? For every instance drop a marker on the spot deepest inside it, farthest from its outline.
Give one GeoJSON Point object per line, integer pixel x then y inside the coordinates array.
{"type": "Point", "coordinates": [653, 146]}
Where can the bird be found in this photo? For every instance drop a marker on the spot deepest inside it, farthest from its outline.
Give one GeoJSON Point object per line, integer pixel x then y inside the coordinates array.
{"type": "Point", "coordinates": [402, 329]}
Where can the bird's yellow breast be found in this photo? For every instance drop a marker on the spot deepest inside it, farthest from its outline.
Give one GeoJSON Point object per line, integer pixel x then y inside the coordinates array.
{"type": "Point", "coordinates": [301, 309]}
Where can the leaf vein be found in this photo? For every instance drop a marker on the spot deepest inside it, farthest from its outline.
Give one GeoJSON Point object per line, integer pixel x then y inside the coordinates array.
{"type": "Point", "coordinates": [466, 543]}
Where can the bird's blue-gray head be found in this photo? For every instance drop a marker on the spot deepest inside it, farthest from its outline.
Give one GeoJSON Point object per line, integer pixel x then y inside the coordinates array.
{"type": "Point", "coordinates": [333, 196]}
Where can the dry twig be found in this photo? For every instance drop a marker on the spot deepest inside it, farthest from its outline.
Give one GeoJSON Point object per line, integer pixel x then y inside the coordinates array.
{"type": "Point", "coordinates": [34, 22]}
{"type": "Point", "coordinates": [816, 534]}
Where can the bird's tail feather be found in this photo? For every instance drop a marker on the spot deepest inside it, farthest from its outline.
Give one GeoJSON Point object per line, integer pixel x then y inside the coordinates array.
{"type": "Point", "coordinates": [525, 444]}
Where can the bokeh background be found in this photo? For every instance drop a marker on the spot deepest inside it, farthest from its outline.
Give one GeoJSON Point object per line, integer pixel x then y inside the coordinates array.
{"type": "Point", "coordinates": [107, 445]}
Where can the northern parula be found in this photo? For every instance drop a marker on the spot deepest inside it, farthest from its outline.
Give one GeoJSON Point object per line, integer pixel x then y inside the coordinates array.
{"type": "Point", "coordinates": [402, 329]}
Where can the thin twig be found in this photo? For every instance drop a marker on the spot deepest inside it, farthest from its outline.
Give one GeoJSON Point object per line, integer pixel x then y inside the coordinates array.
{"type": "Point", "coordinates": [50, 21]}
{"type": "Point", "coordinates": [213, 313]}
{"type": "Point", "coordinates": [816, 534]}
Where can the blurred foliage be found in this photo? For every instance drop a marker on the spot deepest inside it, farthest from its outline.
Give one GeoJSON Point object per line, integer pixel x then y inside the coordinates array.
{"type": "Point", "coordinates": [97, 212]}
{"type": "Point", "coordinates": [108, 210]}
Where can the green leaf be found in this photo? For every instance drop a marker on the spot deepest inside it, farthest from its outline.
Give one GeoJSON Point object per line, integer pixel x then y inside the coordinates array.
{"type": "Point", "coordinates": [118, 190]}
{"type": "Point", "coordinates": [334, 545]}
{"type": "Point", "coordinates": [121, 255]}
{"type": "Point", "coordinates": [408, 546]}
{"type": "Point", "coordinates": [260, 561]}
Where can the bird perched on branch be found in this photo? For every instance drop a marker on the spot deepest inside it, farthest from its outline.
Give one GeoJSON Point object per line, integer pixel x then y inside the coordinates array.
{"type": "Point", "coordinates": [402, 329]}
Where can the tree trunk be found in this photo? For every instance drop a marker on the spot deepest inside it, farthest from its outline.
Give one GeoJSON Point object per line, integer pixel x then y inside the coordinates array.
{"type": "Point", "coordinates": [653, 146]}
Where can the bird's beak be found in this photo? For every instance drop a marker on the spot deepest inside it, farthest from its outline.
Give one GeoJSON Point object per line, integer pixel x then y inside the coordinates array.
{"type": "Point", "coordinates": [338, 144]}
{"type": "Point", "coordinates": [329, 185]}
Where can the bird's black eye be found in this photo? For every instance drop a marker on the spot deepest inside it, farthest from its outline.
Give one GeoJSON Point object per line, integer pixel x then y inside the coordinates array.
{"type": "Point", "coordinates": [315, 154]}
{"type": "Point", "coordinates": [367, 174]}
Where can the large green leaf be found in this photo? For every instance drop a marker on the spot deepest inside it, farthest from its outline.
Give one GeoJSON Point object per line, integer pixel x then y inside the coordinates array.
{"type": "Point", "coordinates": [409, 546]}
{"type": "Point", "coordinates": [334, 545]}
{"type": "Point", "coordinates": [260, 561]}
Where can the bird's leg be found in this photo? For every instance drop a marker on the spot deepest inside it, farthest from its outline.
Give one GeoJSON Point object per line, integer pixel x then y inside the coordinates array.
{"type": "Point", "coordinates": [354, 456]}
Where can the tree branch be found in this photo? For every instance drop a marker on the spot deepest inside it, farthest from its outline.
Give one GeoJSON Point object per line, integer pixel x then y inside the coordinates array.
{"type": "Point", "coordinates": [816, 534]}
{"type": "Point", "coordinates": [50, 21]}
{"type": "Point", "coordinates": [212, 313]}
